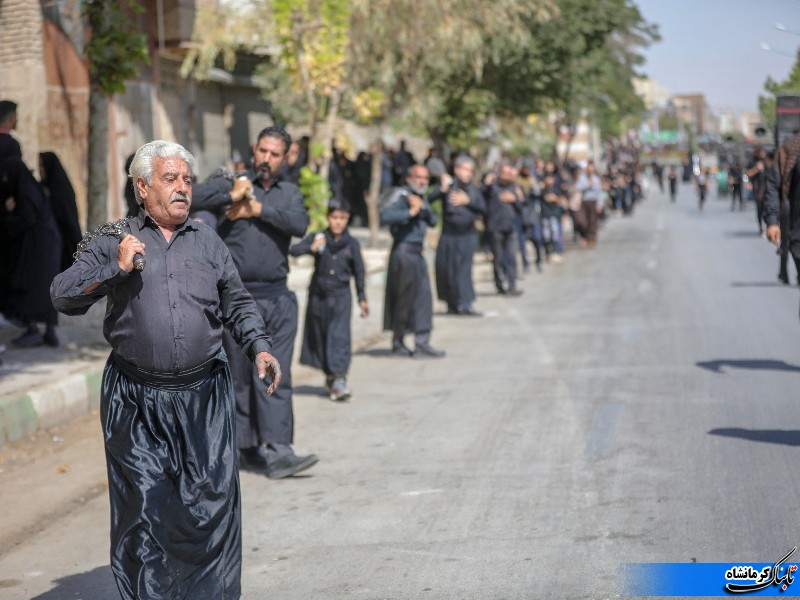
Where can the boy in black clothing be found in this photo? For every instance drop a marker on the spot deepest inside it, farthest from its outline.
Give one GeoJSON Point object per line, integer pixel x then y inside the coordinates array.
{"type": "Point", "coordinates": [326, 335]}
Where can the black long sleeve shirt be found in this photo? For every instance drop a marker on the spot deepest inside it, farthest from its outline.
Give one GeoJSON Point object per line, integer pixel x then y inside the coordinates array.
{"type": "Point", "coordinates": [772, 203]}
{"type": "Point", "coordinates": [501, 215]}
{"type": "Point", "coordinates": [335, 265]}
{"type": "Point", "coordinates": [459, 219]}
{"type": "Point", "coordinates": [259, 245]}
{"type": "Point", "coordinates": [403, 226]}
{"type": "Point", "coordinates": [168, 317]}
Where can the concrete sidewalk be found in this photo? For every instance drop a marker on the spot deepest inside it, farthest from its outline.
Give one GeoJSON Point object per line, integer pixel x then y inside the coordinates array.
{"type": "Point", "coordinates": [41, 387]}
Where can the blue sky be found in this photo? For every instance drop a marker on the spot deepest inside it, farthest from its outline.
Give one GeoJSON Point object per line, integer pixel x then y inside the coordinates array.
{"type": "Point", "coordinates": [714, 47]}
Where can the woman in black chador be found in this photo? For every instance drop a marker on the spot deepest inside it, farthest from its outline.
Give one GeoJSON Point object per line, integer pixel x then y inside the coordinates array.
{"type": "Point", "coordinates": [31, 251]}
{"type": "Point", "coordinates": [61, 194]}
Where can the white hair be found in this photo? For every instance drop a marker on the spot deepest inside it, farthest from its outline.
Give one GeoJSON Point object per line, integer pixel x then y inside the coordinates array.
{"type": "Point", "coordinates": [142, 164]}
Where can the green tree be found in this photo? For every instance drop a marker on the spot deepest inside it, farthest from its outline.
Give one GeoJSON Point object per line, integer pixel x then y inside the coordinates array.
{"type": "Point", "coordinates": [790, 85]}
{"type": "Point", "coordinates": [116, 52]}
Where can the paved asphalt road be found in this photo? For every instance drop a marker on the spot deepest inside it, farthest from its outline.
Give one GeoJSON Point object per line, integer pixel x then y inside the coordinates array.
{"type": "Point", "coordinates": [637, 404]}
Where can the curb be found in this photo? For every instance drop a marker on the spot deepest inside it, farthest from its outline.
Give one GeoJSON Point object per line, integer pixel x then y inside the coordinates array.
{"type": "Point", "coordinates": [47, 405]}
{"type": "Point", "coordinates": [43, 407]}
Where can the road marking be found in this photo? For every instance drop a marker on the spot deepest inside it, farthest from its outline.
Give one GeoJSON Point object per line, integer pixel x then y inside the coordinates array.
{"type": "Point", "coordinates": [652, 264]}
{"type": "Point", "coordinates": [645, 286]}
{"type": "Point", "coordinates": [604, 429]}
{"type": "Point", "coordinates": [420, 492]}
{"type": "Point", "coordinates": [432, 554]}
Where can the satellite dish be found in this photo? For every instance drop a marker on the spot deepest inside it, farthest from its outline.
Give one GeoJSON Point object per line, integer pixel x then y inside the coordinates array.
{"type": "Point", "coordinates": [760, 131]}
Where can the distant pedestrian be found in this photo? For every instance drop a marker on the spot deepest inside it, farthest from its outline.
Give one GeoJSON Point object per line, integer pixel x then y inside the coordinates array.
{"type": "Point", "coordinates": [504, 200]}
{"type": "Point", "coordinates": [408, 306]}
{"type": "Point", "coordinates": [673, 183]}
{"type": "Point", "coordinates": [735, 178]}
{"type": "Point", "coordinates": [326, 335]}
{"type": "Point", "coordinates": [701, 186]}
{"type": "Point", "coordinates": [758, 180]}
{"type": "Point", "coordinates": [462, 203]}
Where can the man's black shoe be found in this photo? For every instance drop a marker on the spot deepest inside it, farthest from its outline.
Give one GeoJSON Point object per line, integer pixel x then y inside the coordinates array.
{"type": "Point", "coordinates": [286, 466]}
{"type": "Point", "coordinates": [514, 292]}
{"type": "Point", "coordinates": [423, 350]}
{"type": "Point", "coordinates": [469, 312]}
{"type": "Point", "coordinates": [401, 349]}
{"type": "Point", "coordinates": [252, 459]}
{"type": "Point", "coordinates": [29, 339]}
{"type": "Point", "coordinates": [50, 338]}
{"type": "Point", "coordinates": [784, 278]}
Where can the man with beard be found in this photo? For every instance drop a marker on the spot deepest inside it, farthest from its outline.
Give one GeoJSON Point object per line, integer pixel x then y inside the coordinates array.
{"type": "Point", "coordinates": [262, 214]}
{"type": "Point", "coordinates": [408, 306]}
{"type": "Point", "coordinates": [462, 203]}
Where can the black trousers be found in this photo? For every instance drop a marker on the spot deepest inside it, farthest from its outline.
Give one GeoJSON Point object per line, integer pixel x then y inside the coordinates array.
{"type": "Point", "coordinates": [173, 485]}
{"type": "Point", "coordinates": [504, 258]}
{"type": "Point", "coordinates": [454, 256]}
{"type": "Point", "coordinates": [263, 419]}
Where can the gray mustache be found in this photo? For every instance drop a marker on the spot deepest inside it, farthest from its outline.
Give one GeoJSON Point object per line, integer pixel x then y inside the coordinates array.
{"type": "Point", "coordinates": [181, 196]}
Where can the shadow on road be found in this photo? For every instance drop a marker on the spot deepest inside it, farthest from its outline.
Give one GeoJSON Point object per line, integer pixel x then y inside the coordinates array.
{"type": "Point", "coordinates": [747, 233]}
{"type": "Point", "coordinates": [310, 390]}
{"type": "Point", "coordinates": [787, 437]}
{"type": "Point", "coordinates": [97, 583]}
{"type": "Point", "coordinates": [715, 366]}
{"type": "Point", "coordinates": [758, 284]}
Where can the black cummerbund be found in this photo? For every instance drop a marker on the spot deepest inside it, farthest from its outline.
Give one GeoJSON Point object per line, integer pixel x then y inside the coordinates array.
{"type": "Point", "coordinates": [170, 381]}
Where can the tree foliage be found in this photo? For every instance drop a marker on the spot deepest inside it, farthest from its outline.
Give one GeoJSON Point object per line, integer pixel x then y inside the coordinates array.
{"type": "Point", "coordinates": [116, 52]}
{"type": "Point", "coordinates": [790, 85]}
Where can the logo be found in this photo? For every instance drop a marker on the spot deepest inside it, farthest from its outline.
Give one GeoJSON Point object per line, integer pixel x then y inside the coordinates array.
{"type": "Point", "coordinates": [778, 574]}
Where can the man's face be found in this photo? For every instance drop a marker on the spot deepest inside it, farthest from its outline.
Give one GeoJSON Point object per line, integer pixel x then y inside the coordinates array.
{"type": "Point", "coordinates": [167, 201]}
{"type": "Point", "coordinates": [337, 221]}
{"type": "Point", "coordinates": [464, 172]}
{"type": "Point", "coordinates": [268, 156]}
{"type": "Point", "coordinates": [293, 154]}
{"type": "Point", "coordinates": [418, 179]}
{"type": "Point", "coordinates": [508, 174]}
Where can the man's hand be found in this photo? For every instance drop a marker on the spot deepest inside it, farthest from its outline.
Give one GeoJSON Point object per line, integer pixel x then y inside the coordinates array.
{"type": "Point", "coordinates": [774, 234]}
{"type": "Point", "coordinates": [245, 209]}
{"type": "Point", "coordinates": [445, 181]}
{"type": "Point", "coordinates": [364, 309]}
{"type": "Point", "coordinates": [415, 204]}
{"type": "Point", "coordinates": [128, 247]}
{"type": "Point", "coordinates": [459, 198]}
{"type": "Point", "coordinates": [242, 188]}
{"type": "Point", "coordinates": [266, 364]}
{"type": "Point", "coordinates": [11, 204]}
{"type": "Point", "coordinates": [508, 197]}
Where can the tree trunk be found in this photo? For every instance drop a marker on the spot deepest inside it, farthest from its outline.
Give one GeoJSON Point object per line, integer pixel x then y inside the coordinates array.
{"type": "Point", "coordinates": [375, 189]}
{"type": "Point", "coordinates": [97, 186]}
{"type": "Point", "coordinates": [330, 131]}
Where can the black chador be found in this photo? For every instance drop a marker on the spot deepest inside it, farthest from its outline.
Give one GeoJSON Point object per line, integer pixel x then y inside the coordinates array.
{"type": "Point", "coordinates": [30, 243]}
{"type": "Point", "coordinates": [326, 336]}
{"type": "Point", "coordinates": [61, 194]}
{"type": "Point", "coordinates": [456, 248]}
